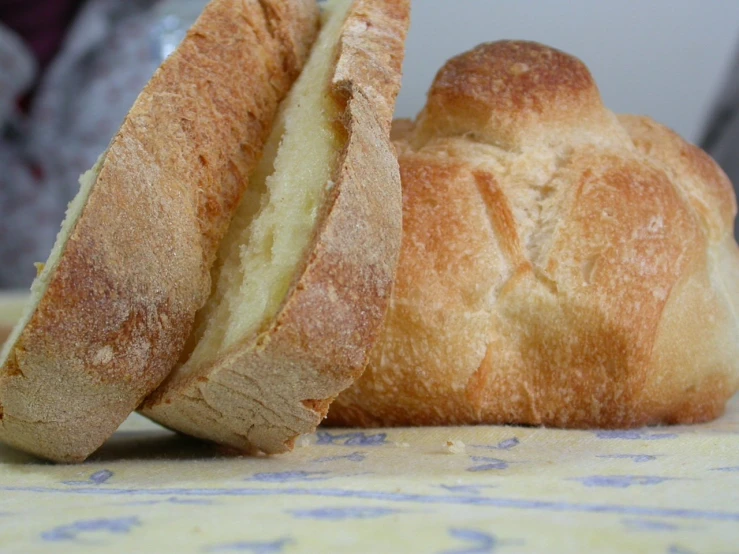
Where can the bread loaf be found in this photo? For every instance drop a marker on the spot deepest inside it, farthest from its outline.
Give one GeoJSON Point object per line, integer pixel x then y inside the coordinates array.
{"type": "Point", "coordinates": [304, 275]}
{"type": "Point", "coordinates": [115, 302]}
{"type": "Point", "coordinates": [561, 265]}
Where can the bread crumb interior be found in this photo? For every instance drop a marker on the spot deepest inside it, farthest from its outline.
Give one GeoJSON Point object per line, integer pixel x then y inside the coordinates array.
{"type": "Point", "coordinates": [276, 220]}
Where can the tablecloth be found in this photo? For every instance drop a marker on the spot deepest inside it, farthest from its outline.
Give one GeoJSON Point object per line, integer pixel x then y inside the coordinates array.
{"type": "Point", "coordinates": [473, 490]}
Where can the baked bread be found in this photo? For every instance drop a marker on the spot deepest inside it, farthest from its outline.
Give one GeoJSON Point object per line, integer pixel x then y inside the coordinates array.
{"type": "Point", "coordinates": [305, 272]}
{"type": "Point", "coordinates": [116, 300]}
{"type": "Point", "coordinates": [561, 266]}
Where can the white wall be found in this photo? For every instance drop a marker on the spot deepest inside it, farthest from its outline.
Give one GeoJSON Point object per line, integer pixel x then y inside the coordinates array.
{"type": "Point", "coordinates": [663, 58]}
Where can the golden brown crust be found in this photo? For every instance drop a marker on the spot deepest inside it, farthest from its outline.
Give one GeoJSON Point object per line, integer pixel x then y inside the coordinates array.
{"type": "Point", "coordinates": [136, 267]}
{"type": "Point", "coordinates": [262, 394]}
{"type": "Point", "coordinates": [512, 94]}
{"type": "Point", "coordinates": [400, 129]}
{"type": "Point", "coordinates": [587, 281]}
{"type": "Point", "coordinates": [695, 173]}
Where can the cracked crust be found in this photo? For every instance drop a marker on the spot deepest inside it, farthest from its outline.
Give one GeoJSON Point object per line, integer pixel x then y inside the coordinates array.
{"type": "Point", "coordinates": [270, 388]}
{"type": "Point", "coordinates": [560, 266]}
{"type": "Point", "coordinates": [135, 269]}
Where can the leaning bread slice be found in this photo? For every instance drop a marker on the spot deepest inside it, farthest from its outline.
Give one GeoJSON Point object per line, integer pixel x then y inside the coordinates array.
{"type": "Point", "coordinates": [115, 302]}
{"type": "Point", "coordinates": [305, 272]}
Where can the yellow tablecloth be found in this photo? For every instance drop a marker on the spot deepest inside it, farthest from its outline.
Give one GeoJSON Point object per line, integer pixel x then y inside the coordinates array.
{"type": "Point", "coordinates": [672, 490]}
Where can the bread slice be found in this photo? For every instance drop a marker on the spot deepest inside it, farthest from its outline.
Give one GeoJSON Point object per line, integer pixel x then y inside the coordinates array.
{"type": "Point", "coordinates": [115, 302]}
{"type": "Point", "coordinates": [305, 272]}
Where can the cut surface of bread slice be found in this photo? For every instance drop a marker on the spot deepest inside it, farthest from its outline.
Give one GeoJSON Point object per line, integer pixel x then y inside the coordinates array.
{"type": "Point", "coordinates": [111, 309]}
{"type": "Point", "coordinates": [305, 271]}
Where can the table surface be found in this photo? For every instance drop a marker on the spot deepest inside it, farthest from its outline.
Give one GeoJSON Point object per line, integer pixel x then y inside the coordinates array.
{"type": "Point", "coordinates": [668, 490]}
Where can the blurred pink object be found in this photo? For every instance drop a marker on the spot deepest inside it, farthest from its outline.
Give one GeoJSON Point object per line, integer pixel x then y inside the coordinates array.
{"type": "Point", "coordinates": [106, 56]}
{"type": "Point", "coordinates": [41, 24]}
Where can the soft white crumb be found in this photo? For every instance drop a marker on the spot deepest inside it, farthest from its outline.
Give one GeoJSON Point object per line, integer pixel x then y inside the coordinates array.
{"type": "Point", "coordinates": [302, 441]}
{"type": "Point", "coordinates": [455, 447]}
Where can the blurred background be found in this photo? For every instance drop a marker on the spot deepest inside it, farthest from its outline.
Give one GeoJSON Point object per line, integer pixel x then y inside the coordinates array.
{"type": "Point", "coordinates": [70, 70]}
